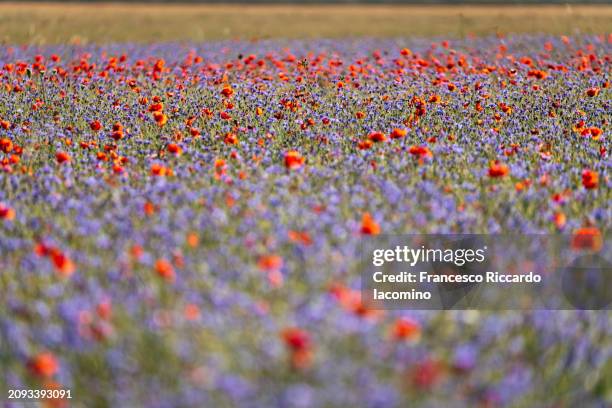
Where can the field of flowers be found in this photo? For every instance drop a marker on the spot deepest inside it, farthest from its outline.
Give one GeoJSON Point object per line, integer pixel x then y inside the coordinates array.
{"type": "Point", "coordinates": [180, 224]}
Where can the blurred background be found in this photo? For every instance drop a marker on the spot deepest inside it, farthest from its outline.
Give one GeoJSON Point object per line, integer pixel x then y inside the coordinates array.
{"type": "Point", "coordinates": [129, 21]}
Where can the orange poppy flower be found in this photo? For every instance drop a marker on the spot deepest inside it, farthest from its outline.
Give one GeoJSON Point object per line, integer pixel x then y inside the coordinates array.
{"type": "Point", "coordinates": [398, 133]}
{"type": "Point", "coordinates": [296, 338]}
{"type": "Point", "coordinates": [300, 236]}
{"type": "Point", "coordinates": [230, 138]}
{"type": "Point", "coordinates": [159, 170]}
{"type": "Point", "coordinates": [156, 107]}
{"type": "Point", "coordinates": [405, 329]}
{"type": "Point", "coordinates": [62, 157]}
{"type": "Point", "coordinates": [377, 137]}
{"type": "Point", "coordinates": [63, 265]}
{"type": "Point", "coordinates": [590, 179]}
{"type": "Point", "coordinates": [299, 344]}
{"type": "Point", "coordinates": [165, 270]}
{"type": "Point", "coordinates": [595, 132]}
{"type": "Point", "coordinates": [6, 213]}
{"type": "Point", "coordinates": [191, 312]}
{"type": "Point", "coordinates": [270, 263]}
{"type": "Point", "coordinates": [364, 144]}
{"type": "Point", "coordinates": [559, 219]}
{"type": "Point", "coordinates": [227, 91]}
{"type": "Point", "coordinates": [435, 99]}
{"type": "Point", "coordinates": [174, 149]}
{"type": "Point", "coordinates": [498, 170]}
{"type": "Point", "coordinates": [149, 208]}
{"type": "Point", "coordinates": [136, 251]}
{"type": "Point", "coordinates": [592, 92]}
{"type": "Point", "coordinates": [426, 374]}
{"type": "Point", "coordinates": [95, 125]}
{"type": "Point", "coordinates": [6, 145]}
{"type": "Point", "coordinates": [195, 132]}
{"type": "Point", "coordinates": [587, 238]}
{"type": "Point", "coordinates": [44, 365]}
{"type": "Point", "coordinates": [192, 239]}
{"type": "Point", "coordinates": [5, 124]}
{"type": "Point", "coordinates": [160, 118]}
{"type": "Point", "coordinates": [351, 300]}
{"type": "Point", "coordinates": [293, 160]}
{"type": "Point", "coordinates": [368, 225]}
{"type": "Point", "coordinates": [420, 151]}
{"type": "Point", "coordinates": [117, 133]}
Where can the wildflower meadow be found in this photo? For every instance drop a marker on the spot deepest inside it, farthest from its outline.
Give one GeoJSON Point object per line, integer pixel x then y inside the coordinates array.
{"type": "Point", "coordinates": [180, 223]}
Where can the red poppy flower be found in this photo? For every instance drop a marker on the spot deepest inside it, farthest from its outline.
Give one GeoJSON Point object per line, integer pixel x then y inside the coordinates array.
{"type": "Point", "coordinates": [6, 213]}
{"type": "Point", "coordinates": [587, 238]}
{"type": "Point", "coordinates": [592, 92]}
{"type": "Point", "coordinates": [63, 265]}
{"type": "Point", "coordinates": [193, 239]}
{"type": "Point", "coordinates": [160, 118]}
{"type": "Point", "coordinates": [156, 107]}
{"type": "Point", "coordinates": [159, 170]}
{"type": "Point", "coordinates": [377, 137]}
{"type": "Point", "coordinates": [174, 149]}
{"type": "Point", "coordinates": [405, 329]}
{"type": "Point", "coordinates": [420, 151]}
{"type": "Point", "coordinates": [595, 132]}
{"type": "Point", "coordinates": [559, 219]}
{"type": "Point", "coordinates": [300, 236]}
{"type": "Point", "coordinates": [364, 144]}
{"type": "Point", "coordinates": [191, 312]}
{"type": "Point", "coordinates": [95, 125]}
{"type": "Point", "coordinates": [230, 138]}
{"type": "Point", "coordinates": [398, 133]}
{"type": "Point", "coordinates": [227, 91]}
{"type": "Point", "coordinates": [270, 263]}
{"type": "Point", "coordinates": [426, 374]}
{"type": "Point", "coordinates": [44, 365]}
{"type": "Point", "coordinates": [435, 99]}
{"type": "Point", "coordinates": [498, 170]}
{"type": "Point", "coordinates": [590, 179]}
{"type": "Point", "coordinates": [62, 157]}
{"type": "Point", "coordinates": [299, 344]}
{"type": "Point", "coordinates": [165, 270]}
{"type": "Point", "coordinates": [6, 145]}
{"type": "Point", "coordinates": [149, 208]}
{"type": "Point", "coordinates": [296, 339]}
{"type": "Point", "coordinates": [293, 160]}
{"type": "Point", "coordinates": [368, 225]}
